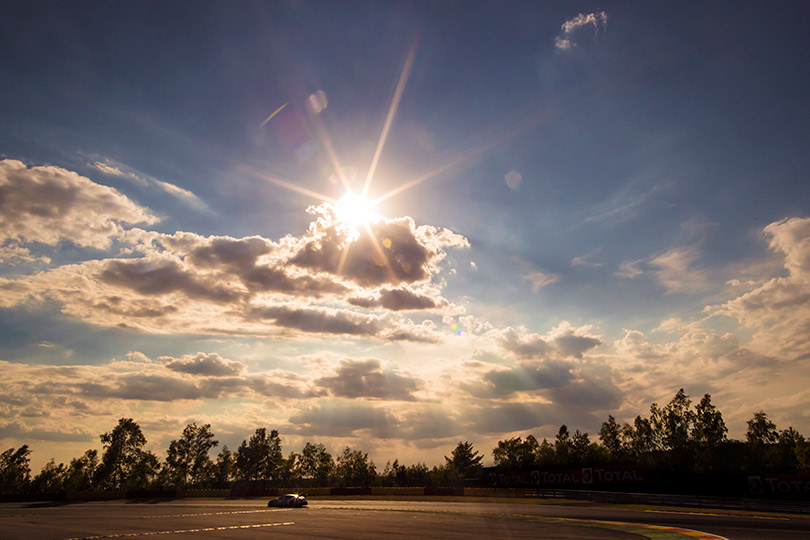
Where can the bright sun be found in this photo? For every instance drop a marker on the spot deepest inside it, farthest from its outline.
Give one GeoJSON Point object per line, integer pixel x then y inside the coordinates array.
{"type": "Point", "coordinates": [355, 211]}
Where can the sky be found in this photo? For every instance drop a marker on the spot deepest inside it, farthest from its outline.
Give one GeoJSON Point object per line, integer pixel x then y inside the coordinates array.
{"type": "Point", "coordinates": [399, 225]}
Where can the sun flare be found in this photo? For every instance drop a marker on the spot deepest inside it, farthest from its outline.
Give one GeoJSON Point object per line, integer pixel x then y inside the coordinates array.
{"type": "Point", "coordinates": [355, 211]}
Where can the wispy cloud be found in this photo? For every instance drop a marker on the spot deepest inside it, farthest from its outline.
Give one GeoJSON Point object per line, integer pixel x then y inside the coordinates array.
{"type": "Point", "coordinates": [538, 280]}
{"type": "Point", "coordinates": [113, 168]}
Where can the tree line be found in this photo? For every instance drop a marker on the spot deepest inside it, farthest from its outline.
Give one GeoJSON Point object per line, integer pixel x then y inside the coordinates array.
{"type": "Point", "coordinates": [676, 438]}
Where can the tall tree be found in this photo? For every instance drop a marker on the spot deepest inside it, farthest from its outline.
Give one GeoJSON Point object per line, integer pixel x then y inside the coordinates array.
{"type": "Point", "coordinates": [51, 478]}
{"type": "Point", "coordinates": [610, 435]}
{"type": "Point", "coordinates": [761, 431]}
{"type": "Point", "coordinates": [354, 468]}
{"type": "Point", "coordinates": [678, 421]}
{"type": "Point", "coordinates": [187, 458]}
{"type": "Point", "coordinates": [562, 447]}
{"type": "Point", "coordinates": [260, 456]}
{"type": "Point", "coordinates": [316, 464]}
{"type": "Point", "coordinates": [708, 434]}
{"type": "Point", "coordinates": [516, 453]}
{"type": "Point", "coordinates": [224, 467]}
{"type": "Point", "coordinates": [80, 472]}
{"type": "Point", "coordinates": [465, 460]}
{"type": "Point", "coordinates": [15, 471]}
{"type": "Point", "coordinates": [124, 463]}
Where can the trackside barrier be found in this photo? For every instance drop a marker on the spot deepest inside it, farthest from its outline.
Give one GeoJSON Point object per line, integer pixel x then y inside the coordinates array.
{"type": "Point", "coordinates": [350, 491]}
{"type": "Point", "coordinates": [195, 493]}
{"type": "Point", "coordinates": [451, 491]}
{"type": "Point", "coordinates": [95, 495]}
{"type": "Point", "coordinates": [398, 491]}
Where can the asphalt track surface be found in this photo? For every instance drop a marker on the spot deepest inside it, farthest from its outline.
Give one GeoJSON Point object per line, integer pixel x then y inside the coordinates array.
{"type": "Point", "coordinates": [372, 519]}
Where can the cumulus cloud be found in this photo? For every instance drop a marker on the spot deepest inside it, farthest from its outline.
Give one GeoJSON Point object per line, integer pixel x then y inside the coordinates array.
{"type": "Point", "coordinates": [48, 204]}
{"type": "Point", "coordinates": [396, 300]}
{"type": "Point", "coordinates": [572, 27]}
{"type": "Point", "coordinates": [189, 283]}
{"type": "Point", "coordinates": [367, 379]}
{"type": "Point", "coordinates": [538, 280]}
{"type": "Point", "coordinates": [396, 252]}
{"type": "Point", "coordinates": [562, 340]}
{"type": "Point", "coordinates": [210, 364]}
{"type": "Point", "coordinates": [778, 310]}
{"type": "Point", "coordinates": [342, 419]}
{"type": "Point", "coordinates": [524, 377]}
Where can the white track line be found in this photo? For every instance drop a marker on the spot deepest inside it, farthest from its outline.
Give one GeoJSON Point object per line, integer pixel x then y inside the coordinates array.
{"type": "Point", "coordinates": [180, 531]}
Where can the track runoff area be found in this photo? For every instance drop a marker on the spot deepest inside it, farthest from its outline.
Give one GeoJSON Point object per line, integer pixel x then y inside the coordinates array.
{"type": "Point", "coordinates": [384, 518]}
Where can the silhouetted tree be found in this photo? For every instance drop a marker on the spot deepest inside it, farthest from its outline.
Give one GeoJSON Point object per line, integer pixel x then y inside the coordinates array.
{"type": "Point", "coordinates": [611, 436]}
{"type": "Point", "coordinates": [80, 472]}
{"type": "Point", "coordinates": [124, 463]}
{"type": "Point", "coordinates": [466, 461]}
{"type": "Point", "coordinates": [187, 458]}
{"type": "Point", "coordinates": [15, 471]}
{"type": "Point", "coordinates": [562, 447]}
{"type": "Point", "coordinates": [316, 464]}
{"type": "Point", "coordinates": [224, 467]}
{"type": "Point", "coordinates": [708, 434]}
{"type": "Point", "coordinates": [516, 453]}
{"type": "Point", "coordinates": [678, 421]}
{"type": "Point", "coordinates": [354, 468]}
{"type": "Point", "coordinates": [50, 479]}
{"type": "Point", "coordinates": [260, 457]}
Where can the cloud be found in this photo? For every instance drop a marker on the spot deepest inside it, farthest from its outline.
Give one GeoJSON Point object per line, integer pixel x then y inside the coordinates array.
{"type": "Point", "coordinates": [113, 168]}
{"type": "Point", "coordinates": [48, 204]}
{"type": "Point", "coordinates": [594, 19]}
{"type": "Point", "coordinates": [210, 364]}
{"type": "Point", "coordinates": [777, 311]}
{"type": "Point", "coordinates": [677, 269]}
{"type": "Point", "coordinates": [20, 431]}
{"type": "Point", "coordinates": [366, 379]}
{"type": "Point", "coordinates": [524, 346]}
{"type": "Point", "coordinates": [571, 27]}
{"type": "Point", "coordinates": [396, 300]}
{"type": "Point", "coordinates": [630, 269]}
{"type": "Point", "coordinates": [525, 377]}
{"type": "Point", "coordinates": [397, 251]}
{"type": "Point", "coordinates": [342, 419]}
{"type": "Point", "coordinates": [538, 280]}
{"type": "Point", "coordinates": [582, 260]}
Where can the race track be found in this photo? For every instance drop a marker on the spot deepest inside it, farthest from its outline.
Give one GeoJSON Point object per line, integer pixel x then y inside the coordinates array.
{"type": "Point", "coordinates": [371, 519]}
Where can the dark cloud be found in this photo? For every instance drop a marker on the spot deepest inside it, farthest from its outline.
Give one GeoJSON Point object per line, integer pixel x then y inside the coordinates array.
{"type": "Point", "coordinates": [239, 257]}
{"type": "Point", "coordinates": [210, 364]}
{"type": "Point", "coordinates": [161, 277]}
{"type": "Point", "coordinates": [49, 204]}
{"type": "Point", "coordinates": [528, 348]}
{"type": "Point", "coordinates": [526, 377]}
{"type": "Point", "coordinates": [400, 299]}
{"type": "Point", "coordinates": [508, 417]}
{"type": "Point", "coordinates": [18, 430]}
{"type": "Point", "coordinates": [366, 379]}
{"type": "Point", "coordinates": [572, 345]}
{"type": "Point", "coordinates": [392, 255]}
{"type": "Point", "coordinates": [396, 300]}
{"type": "Point", "coordinates": [318, 321]}
{"type": "Point", "coordinates": [430, 424]}
{"type": "Point", "coordinates": [338, 419]}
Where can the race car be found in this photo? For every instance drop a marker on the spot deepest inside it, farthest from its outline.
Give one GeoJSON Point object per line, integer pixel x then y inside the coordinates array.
{"type": "Point", "coordinates": [290, 500]}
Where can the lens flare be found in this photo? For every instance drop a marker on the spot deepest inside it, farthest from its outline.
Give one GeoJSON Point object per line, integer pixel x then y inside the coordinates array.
{"type": "Point", "coordinates": [355, 211]}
